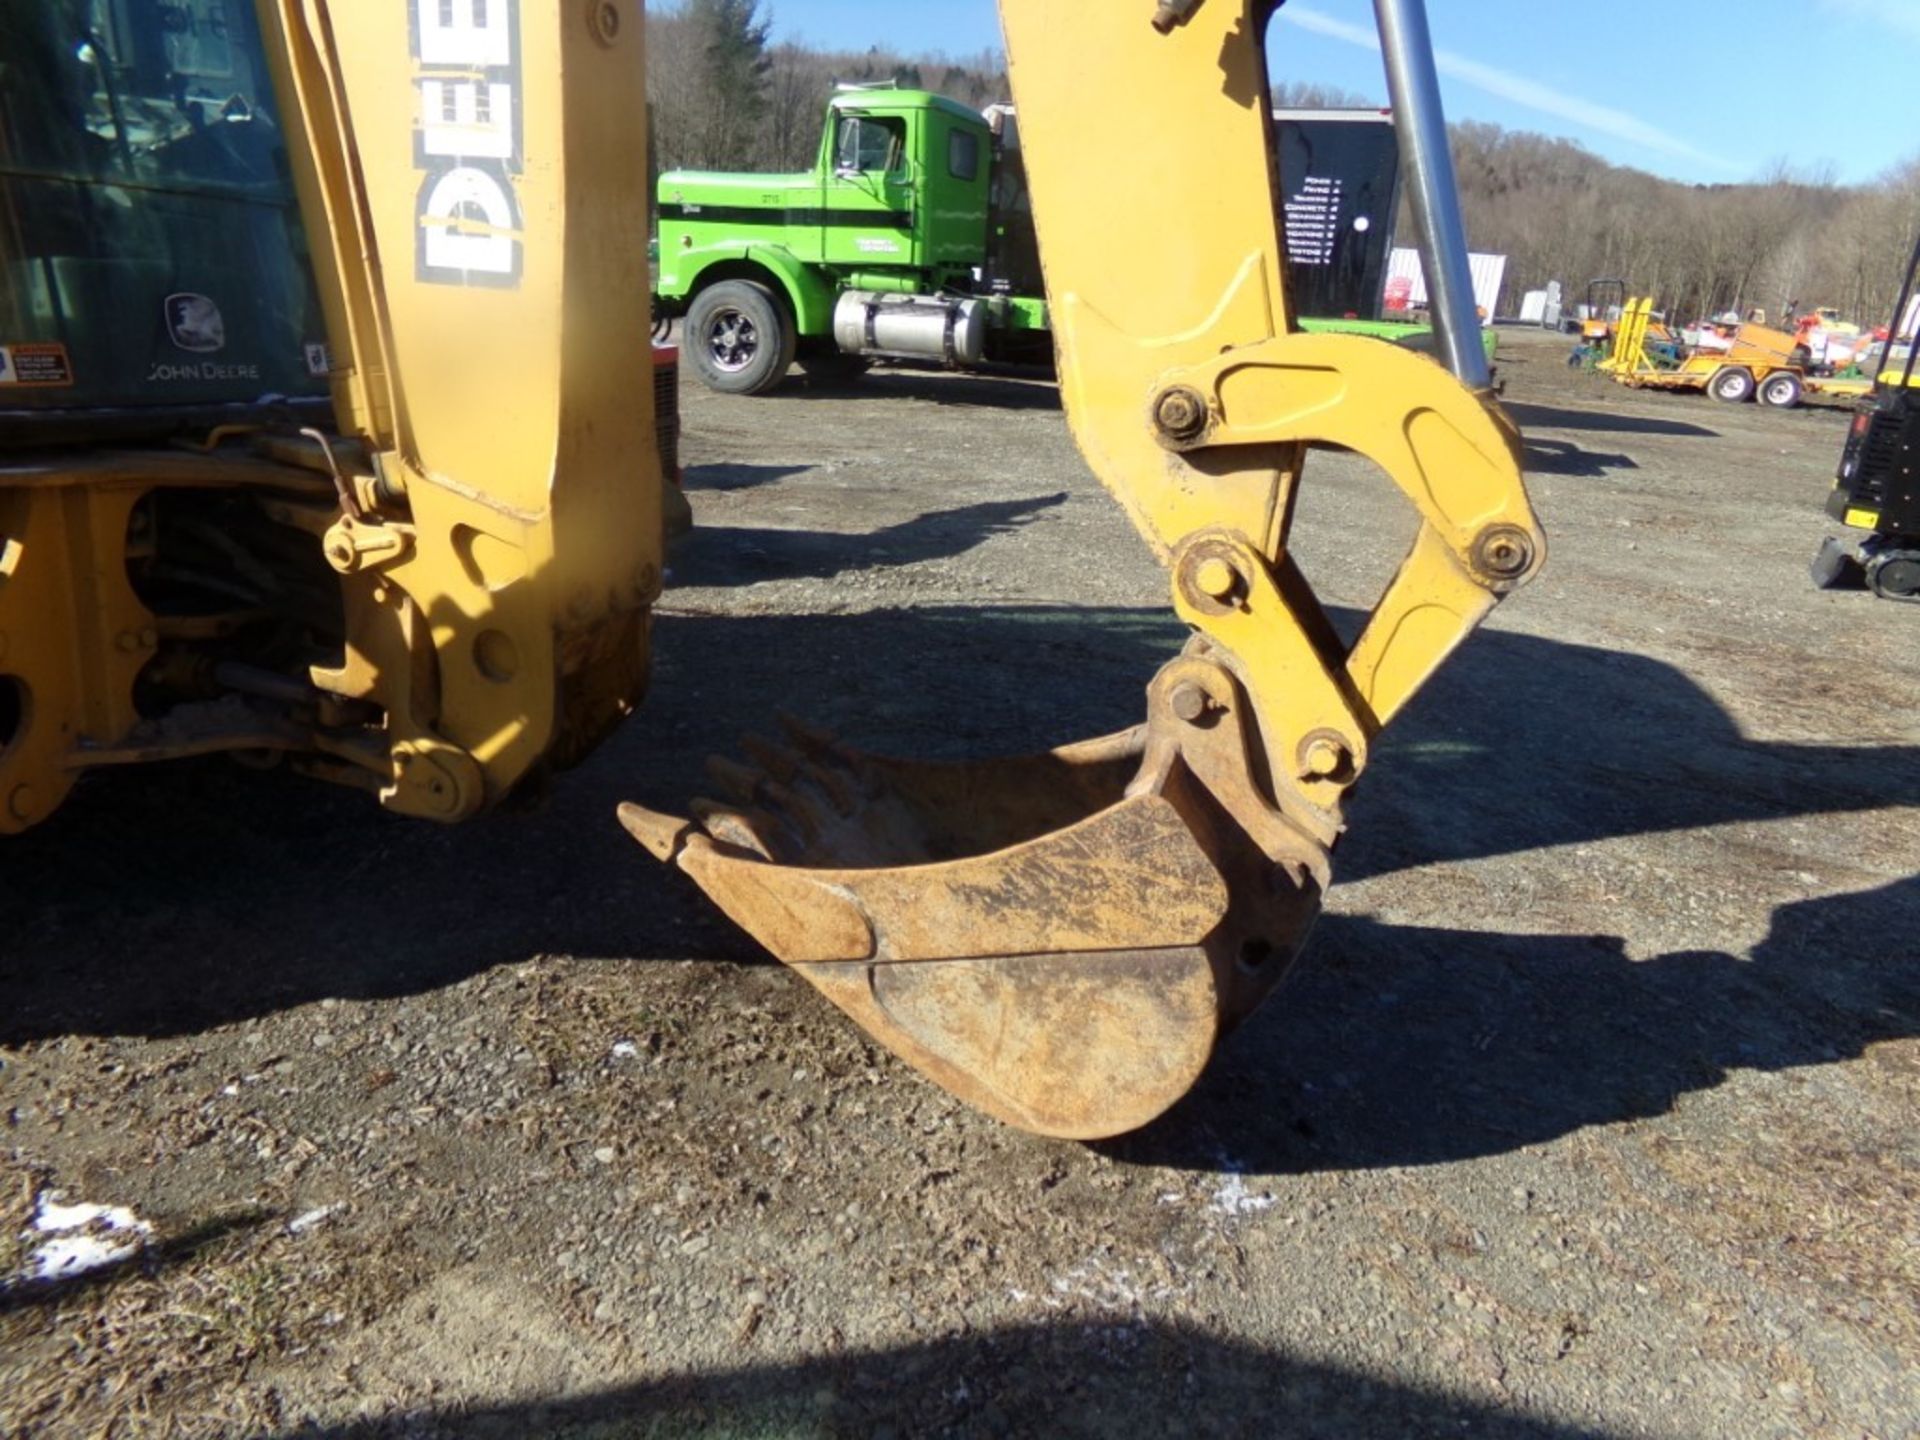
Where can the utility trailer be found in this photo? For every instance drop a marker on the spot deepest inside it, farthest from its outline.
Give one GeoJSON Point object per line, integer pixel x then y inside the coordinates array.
{"type": "Point", "coordinates": [1760, 363]}
{"type": "Point", "coordinates": [912, 238]}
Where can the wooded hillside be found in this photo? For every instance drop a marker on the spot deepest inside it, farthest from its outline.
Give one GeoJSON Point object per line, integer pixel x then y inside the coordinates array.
{"type": "Point", "coordinates": [726, 98]}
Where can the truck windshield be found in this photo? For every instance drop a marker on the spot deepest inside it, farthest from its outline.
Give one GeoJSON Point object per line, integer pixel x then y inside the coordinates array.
{"type": "Point", "coordinates": [150, 250]}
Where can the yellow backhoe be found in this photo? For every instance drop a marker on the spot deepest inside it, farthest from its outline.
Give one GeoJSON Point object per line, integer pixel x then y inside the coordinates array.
{"type": "Point", "coordinates": [405, 528]}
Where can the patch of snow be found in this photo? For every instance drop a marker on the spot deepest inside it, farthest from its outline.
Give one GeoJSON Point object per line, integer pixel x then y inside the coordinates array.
{"type": "Point", "coordinates": [625, 1050]}
{"type": "Point", "coordinates": [1231, 1196]}
{"type": "Point", "coordinates": [302, 1223]}
{"type": "Point", "coordinates": [85, 1238]}
{"type": "Point", "coordinates": [1103, 1284]}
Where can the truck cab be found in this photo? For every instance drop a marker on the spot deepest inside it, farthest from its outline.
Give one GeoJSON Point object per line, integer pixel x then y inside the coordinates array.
{"type": "Point", "coordinates": [896, 205]}
{"type": "Point", "coordinates": [904, 183]}
{"type": "Point", "coordinates": [913, 238]}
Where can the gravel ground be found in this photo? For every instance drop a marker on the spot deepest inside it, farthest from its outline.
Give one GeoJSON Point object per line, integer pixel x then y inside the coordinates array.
{"type": "Point", "coordinates": [1588, 1114]}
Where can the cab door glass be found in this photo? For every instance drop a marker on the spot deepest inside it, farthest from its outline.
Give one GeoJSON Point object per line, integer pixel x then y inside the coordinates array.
{"type": "Point", "coordinates": [866, 145]}
{"type": "Point", "coordinates": [150, 244]}
{"type": "Point", "coordinates": [870, 200]}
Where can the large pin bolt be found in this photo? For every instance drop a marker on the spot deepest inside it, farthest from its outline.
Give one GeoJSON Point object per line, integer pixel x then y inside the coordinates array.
{"type": "Point", "coordinates": [351, 546]}
{"type": "Point", "coordinates": [1189, 702]}
{"type": "Point", "coordinates": [1503, 552]}
{"type": "Point", "coordinates": [1217, 579]}
{"type": "Point", "coordinates": [1180, 414]}
{"type": "Point", "coordinates": [1323, 757]}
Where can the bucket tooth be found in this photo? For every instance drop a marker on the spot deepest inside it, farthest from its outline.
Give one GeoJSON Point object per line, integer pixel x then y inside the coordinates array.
{"type": "Point", "coordinates": [744, 826]}
{"type": "Point", "coordinates": [663, 836]}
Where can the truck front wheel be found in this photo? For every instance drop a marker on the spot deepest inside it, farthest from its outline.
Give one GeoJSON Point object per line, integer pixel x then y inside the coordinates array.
{"type": "Point", "coordinates": [739, 338]}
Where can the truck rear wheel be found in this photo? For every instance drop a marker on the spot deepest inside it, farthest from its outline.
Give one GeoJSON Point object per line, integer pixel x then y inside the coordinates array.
{"type": "Point", "coordinates": [740, 338]}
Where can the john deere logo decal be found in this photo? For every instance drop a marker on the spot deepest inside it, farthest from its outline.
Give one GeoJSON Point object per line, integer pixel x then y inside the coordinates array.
{"type": "Point", "coordinates": [194, 323]}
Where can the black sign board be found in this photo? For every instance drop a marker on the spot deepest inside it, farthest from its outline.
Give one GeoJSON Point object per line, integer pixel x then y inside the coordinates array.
{"type": "Point", "coordinates": [1340, 188]}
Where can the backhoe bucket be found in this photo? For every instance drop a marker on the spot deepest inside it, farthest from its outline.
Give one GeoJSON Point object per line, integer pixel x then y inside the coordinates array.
{"type": "Point", "coordinates": [1058, 939]}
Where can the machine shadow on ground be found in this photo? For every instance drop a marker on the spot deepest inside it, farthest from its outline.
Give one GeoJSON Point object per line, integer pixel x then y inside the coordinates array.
{"type": "Point", "coordinates": [738, 477]}
{"type": "Point", "coordinates": [723, 555]}
{"type": "Point", "coordinates": [1115, 1379]}
{"type": "Point", "coordinates": [1563, 457]}
{"type": "Point", "coordinates": [174, 899]}
{"type": "Point", "coordinates": [1016, 388]}
{"type": "Point", "coordinates": [1607, 422]}
{"type": "Point", "coordinates": [1402, 1045]}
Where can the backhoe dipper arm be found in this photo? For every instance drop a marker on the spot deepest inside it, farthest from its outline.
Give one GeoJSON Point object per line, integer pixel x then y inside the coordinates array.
{"type": "Point", "coordinates": [1063, 939]}
{"type": "Point", "coordinates": [1194, 398]}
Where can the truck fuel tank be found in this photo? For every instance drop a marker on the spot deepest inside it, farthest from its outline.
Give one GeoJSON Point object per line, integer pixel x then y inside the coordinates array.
{"type": "Point", "coordinates": [949, 329]}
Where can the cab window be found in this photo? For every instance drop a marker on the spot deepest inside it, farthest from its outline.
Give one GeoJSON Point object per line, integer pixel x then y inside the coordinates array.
{"type": "Point", "coordinates": [866, 144]}
{"type": "Point", "coordinates": [963, 154]}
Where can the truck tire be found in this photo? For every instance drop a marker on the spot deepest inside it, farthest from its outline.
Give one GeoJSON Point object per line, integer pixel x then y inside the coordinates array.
{"type": "Point", "coordinates": [1781, 390]}
{"type": "Point", "coordinates": [1731, 383]}
{"type": "Point", "coordinates": [739, 337]}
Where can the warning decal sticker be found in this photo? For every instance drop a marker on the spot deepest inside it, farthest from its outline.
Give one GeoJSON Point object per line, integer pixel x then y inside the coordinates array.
{"type": "Point", "coordinates": [35, 365]}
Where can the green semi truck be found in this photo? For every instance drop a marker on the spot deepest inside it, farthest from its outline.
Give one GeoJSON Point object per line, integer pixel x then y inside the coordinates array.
{"type": "Point", "coordinates": [912, 238]}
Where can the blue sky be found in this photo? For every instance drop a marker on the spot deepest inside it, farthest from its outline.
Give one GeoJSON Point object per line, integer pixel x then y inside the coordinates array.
{"type": "Point", "coordinates": [1806, 81]}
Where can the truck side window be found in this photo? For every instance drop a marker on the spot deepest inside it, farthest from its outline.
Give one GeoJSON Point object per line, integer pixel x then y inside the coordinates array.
{"type": "Point", "coordinates": [866, 144]}
{"type": "Point", "coordinates": [963, 154]}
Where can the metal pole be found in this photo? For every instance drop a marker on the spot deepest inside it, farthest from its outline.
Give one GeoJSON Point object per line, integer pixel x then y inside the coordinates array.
{"type": "Point", "coordinates": [1413, 88]}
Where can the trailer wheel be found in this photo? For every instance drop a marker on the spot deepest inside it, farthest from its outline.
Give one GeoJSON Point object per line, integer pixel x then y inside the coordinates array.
{"type": "Point", "coordinates": [1781, 390]}
{"type": "Point", "coordinates": [739, 338]}
{"type": "Point", "coordinates": [1732, 384]}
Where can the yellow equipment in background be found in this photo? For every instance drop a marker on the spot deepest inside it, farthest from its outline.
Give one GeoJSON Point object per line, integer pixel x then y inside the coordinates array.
{"type": "Point", "coordinates": [434, 578]}
{"type": "Point", "coordinates": [1604, 298]}
{"type": "Point", "coordinates": [1759, 363]}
